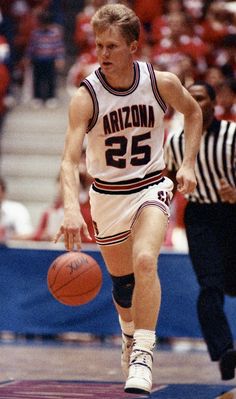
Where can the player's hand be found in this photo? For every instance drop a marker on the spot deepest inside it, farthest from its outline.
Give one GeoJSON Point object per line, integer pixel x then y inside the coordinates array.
{"type": "Point", "coordinates": [70, 231]}
{"type": "Point", "coordinates": [227, 192]}
{"type": "Point", "coordinates": [186, 180]}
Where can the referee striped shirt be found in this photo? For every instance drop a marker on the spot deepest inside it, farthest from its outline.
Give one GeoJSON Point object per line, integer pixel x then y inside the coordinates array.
{"type": "Point", "coordinates": [216, 159]}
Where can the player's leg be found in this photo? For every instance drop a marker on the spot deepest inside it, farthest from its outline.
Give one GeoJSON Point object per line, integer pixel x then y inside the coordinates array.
{"type": "Point", "coordinates": [118, 259]}
{"type": "Point", "coordinates": [148, 235]}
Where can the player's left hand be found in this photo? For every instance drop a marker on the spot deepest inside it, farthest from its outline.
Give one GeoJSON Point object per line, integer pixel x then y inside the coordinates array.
{"type": "Point", "coordinates": [186, 180]}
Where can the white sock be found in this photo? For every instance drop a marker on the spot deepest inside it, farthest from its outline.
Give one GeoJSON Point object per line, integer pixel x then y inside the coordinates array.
{"type": "Point", "coordinates": [127, 327]}
{"type": "Point", "coordinates": [144, 339]}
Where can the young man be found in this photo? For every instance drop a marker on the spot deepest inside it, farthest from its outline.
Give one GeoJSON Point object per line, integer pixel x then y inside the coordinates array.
{"type": "Point", "coordinates": [210, 219]}
{"type": "Point", "coordinates": [121, 108]}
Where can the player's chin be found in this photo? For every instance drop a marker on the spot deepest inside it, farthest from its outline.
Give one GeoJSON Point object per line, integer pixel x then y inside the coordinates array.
{"type": "Point", "coordinates": [106, 66]}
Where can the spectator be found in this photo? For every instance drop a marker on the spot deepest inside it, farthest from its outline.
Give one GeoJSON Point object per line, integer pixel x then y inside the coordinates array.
{"type": "Point", "coordinates": [25, 20]}
{"type": "Point", "coordinates": [226, 100]}
{"type": "Point", "coordinates": [214, 76]}
{"type": "Point", "coordinates": [83, 66]}
{"type": "Point", "coordinates": [15, 221]}
{"type": "Point", "coordinates": [225, 55]}
{"type": "Point", "coordinates": [83, 34]}
{"type": "Point", "coordinates": [4, 80]}
{"type": "Point", "coordinates": [159, 28]}
{"type": "Point", "coordinates": [147, 11]}
{"type": "Point", "coordinates": [178, 40]}
{"type": "Point", "coordinates": [217, 23]}
{"type": "Point", "coordinates": [47, 55]}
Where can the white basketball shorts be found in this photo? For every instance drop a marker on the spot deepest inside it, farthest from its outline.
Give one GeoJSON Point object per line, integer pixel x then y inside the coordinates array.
{"type": "Point", "coordinates": [114, 214]}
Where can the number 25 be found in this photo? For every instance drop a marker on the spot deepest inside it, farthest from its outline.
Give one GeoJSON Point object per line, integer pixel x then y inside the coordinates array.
{"type": "Point", "coordinates": [140, 153]}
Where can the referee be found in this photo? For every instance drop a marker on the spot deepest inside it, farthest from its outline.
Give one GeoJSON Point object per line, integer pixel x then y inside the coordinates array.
{"type": "Point", "coordinates": [210, 219]}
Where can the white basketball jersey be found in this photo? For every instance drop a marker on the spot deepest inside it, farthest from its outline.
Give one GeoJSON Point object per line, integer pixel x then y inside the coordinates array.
{"type": "Point", "coordinates": [126, 132]}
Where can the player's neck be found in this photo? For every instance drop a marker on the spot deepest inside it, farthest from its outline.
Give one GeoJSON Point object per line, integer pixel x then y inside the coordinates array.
{"type": "Point", "coordinates": [121, 80]}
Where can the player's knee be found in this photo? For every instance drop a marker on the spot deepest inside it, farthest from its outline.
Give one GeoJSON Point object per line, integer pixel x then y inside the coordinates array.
{"type": "Point", "coordinates": [123, 287]}
{"type": "Point", "coordinates": [145, 263]}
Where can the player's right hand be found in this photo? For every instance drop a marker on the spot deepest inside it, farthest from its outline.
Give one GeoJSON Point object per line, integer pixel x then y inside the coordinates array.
{"type": "Point", "coordinates": [71, 233]}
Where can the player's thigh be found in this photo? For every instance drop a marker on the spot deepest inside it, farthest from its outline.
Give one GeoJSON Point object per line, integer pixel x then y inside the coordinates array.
{"type": "Point", "coordinates": [149, 231]}
{"type": "Point", "coordinates": [118, 258]}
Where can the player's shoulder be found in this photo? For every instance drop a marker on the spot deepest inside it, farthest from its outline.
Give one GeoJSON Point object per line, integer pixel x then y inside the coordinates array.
{"type": "Point", "coordinates": [166, 79]}
{"type": "Point", "coordinates": [81, 98]}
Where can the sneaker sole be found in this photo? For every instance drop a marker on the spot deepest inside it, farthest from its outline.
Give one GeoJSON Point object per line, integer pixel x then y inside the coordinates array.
{"type": "Point", "coordinates": [134, 388]}
{"type": "Point", "coordinates": [137, 391]}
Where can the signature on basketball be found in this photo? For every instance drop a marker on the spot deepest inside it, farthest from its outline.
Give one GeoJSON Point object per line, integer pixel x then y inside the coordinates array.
{"type": "Point", "coordinates": [73, 266]}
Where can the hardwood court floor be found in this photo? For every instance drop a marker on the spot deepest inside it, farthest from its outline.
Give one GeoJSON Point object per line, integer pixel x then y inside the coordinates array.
{"type": "Point", "coordinates": [74, 362]}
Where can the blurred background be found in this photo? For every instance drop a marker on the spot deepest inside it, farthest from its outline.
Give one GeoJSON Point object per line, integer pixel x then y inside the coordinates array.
{"type": "Point", "coordinates": [46, 48]}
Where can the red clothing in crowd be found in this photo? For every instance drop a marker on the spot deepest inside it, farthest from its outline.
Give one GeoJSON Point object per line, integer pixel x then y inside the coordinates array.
{"type": "Point", "coordinates": [4, 84]}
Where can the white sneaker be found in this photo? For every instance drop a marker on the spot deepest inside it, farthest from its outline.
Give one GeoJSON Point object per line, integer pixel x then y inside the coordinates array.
{"type": "Point", "coordinates": [140, 372]}
{"type": "Point", "coordinates": [127, 343]}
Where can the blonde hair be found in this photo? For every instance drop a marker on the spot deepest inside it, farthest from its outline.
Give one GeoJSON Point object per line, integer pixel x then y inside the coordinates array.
{"type": "Point", "coordinates": [117, 15]}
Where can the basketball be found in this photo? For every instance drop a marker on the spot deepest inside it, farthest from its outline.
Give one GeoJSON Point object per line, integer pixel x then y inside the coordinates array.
{"type": "Point", "coordinates": [74, 278]}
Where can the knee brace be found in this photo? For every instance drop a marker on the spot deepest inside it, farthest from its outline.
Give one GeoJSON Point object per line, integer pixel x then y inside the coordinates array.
{"type": "Point", "coordinates": [122, 291]}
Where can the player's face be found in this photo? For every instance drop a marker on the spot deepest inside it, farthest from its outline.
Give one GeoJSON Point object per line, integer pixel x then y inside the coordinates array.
{"type": "Point", "coordinates": [113, 52]}
{"type": "Point", "coordinates": [199, 93]}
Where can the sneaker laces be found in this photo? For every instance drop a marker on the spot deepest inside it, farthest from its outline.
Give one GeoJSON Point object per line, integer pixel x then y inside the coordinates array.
{"type": "Point", "coordinates": [141, 358]}
{"type": "Point", "coordinates": [127, 343]}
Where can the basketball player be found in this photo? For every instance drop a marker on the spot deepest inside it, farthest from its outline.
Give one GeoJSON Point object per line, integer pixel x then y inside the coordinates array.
{"type": "Point", "coordinates": [121, 108]}
{"type": "Point", "coordinates": [210, 220]}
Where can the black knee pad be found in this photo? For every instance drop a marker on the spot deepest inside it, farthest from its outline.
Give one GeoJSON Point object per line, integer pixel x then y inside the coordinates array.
{"type": "Point", "coordinates": [123, 287]}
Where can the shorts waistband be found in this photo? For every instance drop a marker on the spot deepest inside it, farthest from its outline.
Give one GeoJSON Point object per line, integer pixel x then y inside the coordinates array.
{"type": "Point", "coordinates": [127, 186]}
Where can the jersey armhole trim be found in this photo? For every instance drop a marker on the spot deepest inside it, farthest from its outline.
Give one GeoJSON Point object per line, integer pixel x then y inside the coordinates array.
{"type": "Point", "coordinates": [92, 93]}
{"type": "Point", "coordinates": [156, 92]}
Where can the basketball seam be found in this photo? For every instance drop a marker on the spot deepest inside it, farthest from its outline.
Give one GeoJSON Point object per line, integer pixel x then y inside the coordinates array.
{"type": "Point", "coordinates": [84, 293]}
{"type": "Point", "coordinates": [58, 270]}
{"type": "Point", "coordinates": [68, 282]}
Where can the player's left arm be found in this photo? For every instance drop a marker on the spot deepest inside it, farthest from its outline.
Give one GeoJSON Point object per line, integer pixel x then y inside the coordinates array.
{"type": "Point", "coordinates": [174, 94]}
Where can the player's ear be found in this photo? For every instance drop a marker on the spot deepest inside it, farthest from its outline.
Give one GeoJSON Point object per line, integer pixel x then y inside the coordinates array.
{"type": "Point", "coordinates": [134, 46]}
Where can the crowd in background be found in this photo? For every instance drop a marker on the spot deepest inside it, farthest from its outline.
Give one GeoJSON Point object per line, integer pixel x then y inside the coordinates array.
{"type": "Point", "coordinates": [194, 39]}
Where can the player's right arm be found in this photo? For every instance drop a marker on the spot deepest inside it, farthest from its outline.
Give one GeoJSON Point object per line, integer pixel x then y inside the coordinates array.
{"type": "Point", "coordinates": [80, 113]}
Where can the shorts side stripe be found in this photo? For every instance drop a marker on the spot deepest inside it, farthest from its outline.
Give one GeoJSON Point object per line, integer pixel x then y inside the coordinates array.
{"type": "Point", "coordinates": [115, 239]}
{"type": "Point", "coordinates": [158, 204]}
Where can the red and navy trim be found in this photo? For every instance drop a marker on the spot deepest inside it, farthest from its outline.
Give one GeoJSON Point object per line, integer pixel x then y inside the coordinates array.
{"type": "Point", "coordinates": [128, 186]}
{"type": "Point", "coordinates": [92, 93]}
{"type": "Point", "coordinates": [114, 239]}
{"type": "Point", "coordinates": [120, 92]}
{"type": "Point", "coordinates": [156, 92]}
{"type": "Point", "coordinates": [157, 203]}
